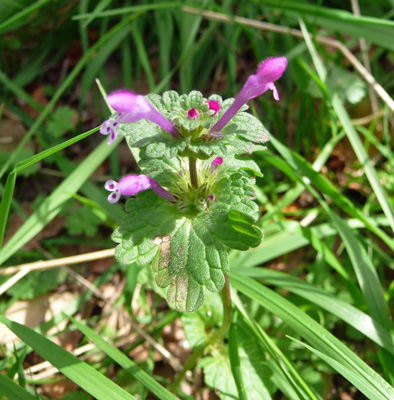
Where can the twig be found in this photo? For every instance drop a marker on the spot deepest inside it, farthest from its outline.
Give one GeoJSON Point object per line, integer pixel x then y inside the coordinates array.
{"type": "Point", "coordinates": [366, 61]}
{"type": "Point", "coordinates": [309, 218]}
{"type": "Point", "coordinates": [161, 349]}
{"type": "Point", "coordinates": [83, 281]}
{"type": "Point", "coordinates": [11, 282]}
{"type": "Point", "coordinates": [38, 265]}
{"type": "Point", "coordinates": [297, 33]}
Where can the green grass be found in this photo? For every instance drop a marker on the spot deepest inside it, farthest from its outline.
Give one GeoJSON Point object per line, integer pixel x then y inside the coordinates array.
{"type": "Point", "coordinates": [312, 304]}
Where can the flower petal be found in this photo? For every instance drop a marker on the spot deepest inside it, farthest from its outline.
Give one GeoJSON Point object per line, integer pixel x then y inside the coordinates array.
{"type": "Point", "coordinates": [114, 197]}
{"type": "Point", "coordinates": [111, 185]}
{"type": "Point", "coordinates": [124, 101]}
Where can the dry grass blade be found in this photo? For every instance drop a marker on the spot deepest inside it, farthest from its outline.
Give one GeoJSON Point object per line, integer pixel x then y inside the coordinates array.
{"type": "Point", "coordinates": [11, 282]}
{"type": "Point", "coordinates": [58, 262]}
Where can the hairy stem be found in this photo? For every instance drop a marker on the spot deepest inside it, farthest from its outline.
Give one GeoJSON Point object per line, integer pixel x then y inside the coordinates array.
{"type": "Point", "coordinates": [216, 336]}
{"type": "Point", "coordinates": [193, 172]}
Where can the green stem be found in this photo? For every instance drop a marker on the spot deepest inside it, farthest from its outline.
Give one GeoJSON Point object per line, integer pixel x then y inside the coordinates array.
{"type": "Point", "coordinates": [193, 172]}
{"type": "Point", "coordinates": [215, 337]}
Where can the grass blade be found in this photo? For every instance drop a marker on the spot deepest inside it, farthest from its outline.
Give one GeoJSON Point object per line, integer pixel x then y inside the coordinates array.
{"type": "Point", "coordinates": [348, 373]}
{"type": "Point", "coordinates": [290, 374]}
{"type": "Point", "coordinates": [79, 372]}
{"type": "Point", "coordinates": [351, 133]}
{"type": "Point", "coordinates": [313, 332]}
{"type": "Point", "coordinates": [67, 81]}
{"type": "Point", "coordinates": [298, 168]}
{"type": "Point", "coordinates": [12, 390]}
{"type": "Point", "coordinates": [346, 312]}
{"type": "Point", "coordinates": [21, 16]}
{"type": "Point", "coordinates": [234, 359]}
{"type": "Point", "coordinates": [128, 365]}
{"type": "Point", "coordinates": [52, 205]}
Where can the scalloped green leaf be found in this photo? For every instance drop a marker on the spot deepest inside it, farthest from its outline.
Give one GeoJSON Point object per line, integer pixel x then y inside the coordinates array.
{"type": "Point", "coordinates": [187, 246]}
{"type": "Point", "coordinates": [184, 253]}
{"type": "Point", "coordinates": [234, 193]}
{"type": "Point", "coordinates": [248, 127]}
{"type": "Point", "coordinates": [236, 231]}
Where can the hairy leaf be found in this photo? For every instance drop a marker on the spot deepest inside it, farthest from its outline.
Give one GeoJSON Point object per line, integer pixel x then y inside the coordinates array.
{"type": "Point", "coordinates": [186, 242]}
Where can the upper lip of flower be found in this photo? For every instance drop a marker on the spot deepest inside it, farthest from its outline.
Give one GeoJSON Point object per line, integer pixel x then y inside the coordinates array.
{"type": "Point", "coordinates": [134, 107]}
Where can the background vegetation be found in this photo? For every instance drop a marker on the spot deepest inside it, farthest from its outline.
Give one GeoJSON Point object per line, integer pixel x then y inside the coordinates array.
{"type": "Point", "coordinates": [312, 304]}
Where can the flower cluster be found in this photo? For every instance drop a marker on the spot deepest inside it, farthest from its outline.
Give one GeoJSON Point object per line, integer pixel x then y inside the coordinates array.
{"type": "Point", "coordinates": [131, 108]}
{"type": "Point", "coordinates": [192, 199]}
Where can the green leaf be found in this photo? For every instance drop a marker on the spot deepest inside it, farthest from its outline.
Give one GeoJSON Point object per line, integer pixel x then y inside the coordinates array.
{"type": "Point", "coordinates": [61, 121]}
{"type": "Point", "coordinates": [348, 86]}
{"type": "Point", "coordinates": [184, 253]}
{"type": "Point", "coordinates": [78, 371]}
{"type": "Point", "coordinates": [218, 373]}
{"type": "Point", "coordinates": [236, 230]}
{"type": "Point", "coordinates": [83, 221]}
{"type": "Point", "coordinates": [185, 242]}
{"type": "Point", "coordinates": [197, 325]}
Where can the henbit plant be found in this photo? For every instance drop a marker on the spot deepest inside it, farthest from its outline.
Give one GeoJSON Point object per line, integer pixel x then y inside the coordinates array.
{"type": "Point", "coordinates": [191, 151]}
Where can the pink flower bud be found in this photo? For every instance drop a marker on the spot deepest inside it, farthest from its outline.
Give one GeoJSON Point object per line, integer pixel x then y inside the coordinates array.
{"type": "Point", "coordinates": [214, 106]}
{"type": "Point", "coordinates": [192, 114]}
{"type": "Point", "coordinates": [215, 163]}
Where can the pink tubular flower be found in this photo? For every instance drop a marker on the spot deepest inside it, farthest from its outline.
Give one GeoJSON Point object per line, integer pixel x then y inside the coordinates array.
{"type": "Point", "coordinates": [214, 106]}
{"type": "Point", "coordinates": [132, 107]}
{"type": "Point", "coordinates": [215, 163]}
{"type": "Point", "coordinates": [130, 185]}
{"type": "Point", "coordinates": [267, 73]}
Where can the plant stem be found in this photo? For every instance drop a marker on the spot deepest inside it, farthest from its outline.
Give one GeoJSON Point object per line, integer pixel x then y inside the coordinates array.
{"type": "Point", "coordinates": [215, 337]}
{"type": "Point", "coordinates": [193, 172]}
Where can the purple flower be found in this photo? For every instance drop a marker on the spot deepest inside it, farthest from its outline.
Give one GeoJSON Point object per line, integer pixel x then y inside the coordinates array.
{"type": "Point", "coordinates": [267, 73]}
{"type": "Point", "coordinates": [214, 106]}
{"type": "Point", "coordinates": [130, 185]}
{"type": "Point", "coordinates": [132, 107]}
{"type": "Point", "coordinates": [192, 114]}
{"type": "Point", "coordinates": [215, 163]}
